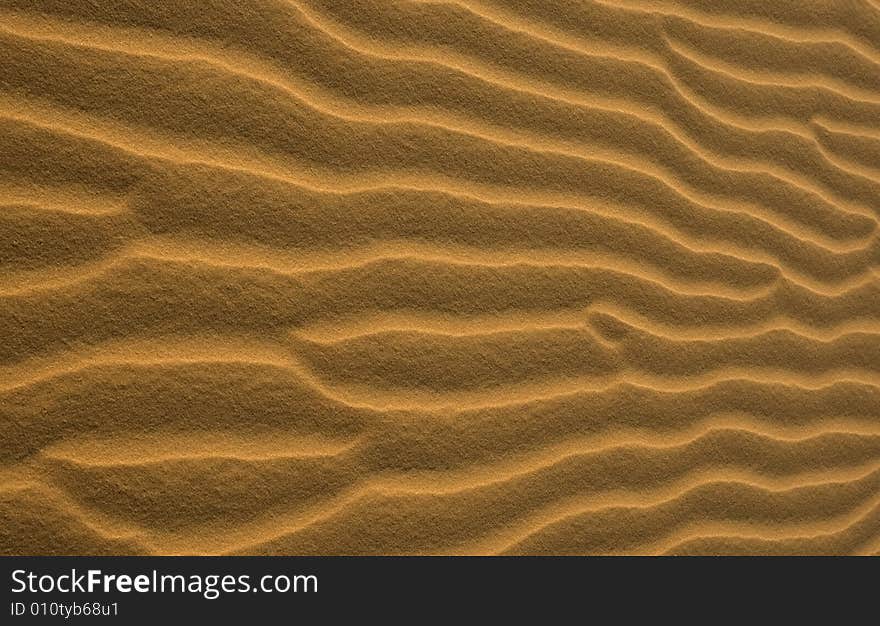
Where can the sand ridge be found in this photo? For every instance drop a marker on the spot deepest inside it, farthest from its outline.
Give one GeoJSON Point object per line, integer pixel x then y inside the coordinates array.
{"type": "Point", "coordinates": [440, 277]}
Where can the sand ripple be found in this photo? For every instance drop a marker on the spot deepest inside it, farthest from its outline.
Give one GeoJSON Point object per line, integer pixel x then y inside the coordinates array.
{"type": "Point", "coordinates": [423, 277]}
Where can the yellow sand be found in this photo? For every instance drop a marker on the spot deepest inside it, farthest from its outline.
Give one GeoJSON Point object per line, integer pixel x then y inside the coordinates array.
{"type": "Point", "coordinates": [424, 277]}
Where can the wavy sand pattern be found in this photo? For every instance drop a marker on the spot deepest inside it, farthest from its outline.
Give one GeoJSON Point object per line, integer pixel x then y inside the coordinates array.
{"type": "Point", "coordinates": [440, 277]}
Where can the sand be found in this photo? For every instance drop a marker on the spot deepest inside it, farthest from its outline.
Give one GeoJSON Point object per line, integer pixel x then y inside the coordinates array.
{"type": "Point", "coordinates": [423, 277]}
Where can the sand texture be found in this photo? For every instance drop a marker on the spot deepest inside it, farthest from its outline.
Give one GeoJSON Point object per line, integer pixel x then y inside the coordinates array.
{"type": "Point", "coordinates": [424, 277]}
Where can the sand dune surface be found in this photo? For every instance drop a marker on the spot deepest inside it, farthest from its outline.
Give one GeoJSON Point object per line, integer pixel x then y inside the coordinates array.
{"type": "Point", "coordinates": [440, 277]}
